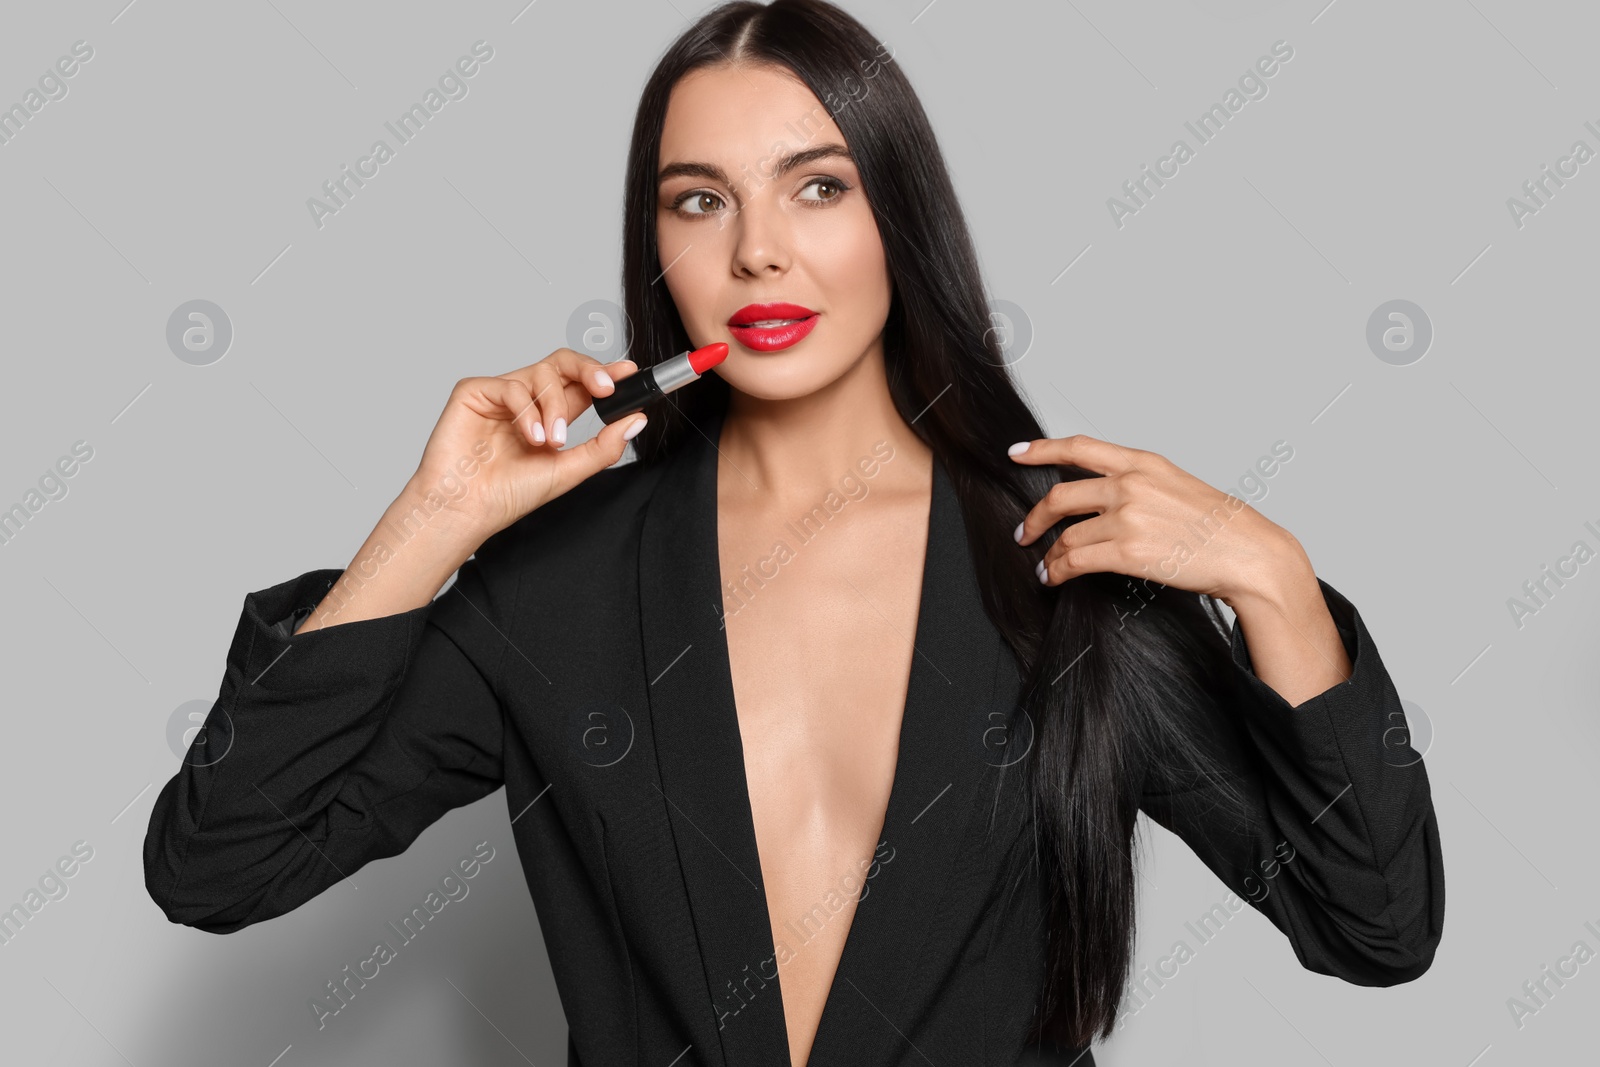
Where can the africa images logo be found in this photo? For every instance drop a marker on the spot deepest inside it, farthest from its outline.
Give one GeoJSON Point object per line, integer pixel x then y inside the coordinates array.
{"type": "Point", "coordinates": [196, 735]}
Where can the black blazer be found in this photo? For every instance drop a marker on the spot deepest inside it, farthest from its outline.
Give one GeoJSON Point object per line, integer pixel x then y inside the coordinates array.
{"type": "Point", "coordinates": [578, 659]}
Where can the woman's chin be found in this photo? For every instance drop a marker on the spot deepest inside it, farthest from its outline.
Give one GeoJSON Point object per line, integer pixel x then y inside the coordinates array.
{"type": "Point", "coordinates": [765, 378]}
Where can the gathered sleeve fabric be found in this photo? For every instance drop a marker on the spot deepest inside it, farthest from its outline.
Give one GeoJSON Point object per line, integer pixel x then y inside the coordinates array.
{"type": "Point", "coordinates": [328, 749]}
{"type": "Point", "coordinates": [1338, 843]}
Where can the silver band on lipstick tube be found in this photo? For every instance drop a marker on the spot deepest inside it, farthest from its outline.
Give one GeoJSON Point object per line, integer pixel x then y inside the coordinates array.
{"type": "Point", "coordinates": [649, 383]}
{"type": "Point", "coordinates": [675, 372]}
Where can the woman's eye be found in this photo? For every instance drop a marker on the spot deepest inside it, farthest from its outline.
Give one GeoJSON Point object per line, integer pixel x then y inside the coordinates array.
{"type": "Point", "coordinates": [697, 199]}
{"type": "Point", "coordinates": [700, 202]}
{"type": "Point", "coordinates": [833, 184]}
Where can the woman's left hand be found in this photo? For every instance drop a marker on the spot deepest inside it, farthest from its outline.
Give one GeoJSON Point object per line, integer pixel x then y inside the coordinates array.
{"type": "Point", "coordinates": [1152, 519]}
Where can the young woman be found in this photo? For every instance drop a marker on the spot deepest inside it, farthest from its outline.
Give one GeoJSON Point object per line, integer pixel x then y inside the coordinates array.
{"type": "Point", "coordinates": [825, 724]}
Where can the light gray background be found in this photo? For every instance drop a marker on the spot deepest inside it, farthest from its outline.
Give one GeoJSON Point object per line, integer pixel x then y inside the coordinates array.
{"type": "Point", "coordinates": [1228, 314]}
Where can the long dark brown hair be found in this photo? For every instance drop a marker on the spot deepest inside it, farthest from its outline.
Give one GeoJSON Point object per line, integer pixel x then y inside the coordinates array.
{"type": "Point", "coordinates": [1110, 677]}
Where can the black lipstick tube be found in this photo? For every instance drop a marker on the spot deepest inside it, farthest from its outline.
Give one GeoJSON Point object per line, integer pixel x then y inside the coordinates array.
{"type": "Point", "coordinates": [650, 384]}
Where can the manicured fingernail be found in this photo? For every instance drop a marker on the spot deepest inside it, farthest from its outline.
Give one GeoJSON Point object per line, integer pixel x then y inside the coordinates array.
{"type": "Point", "coordinates": [558, 431]}
{"type": "Point", "coordinates": [538, 432]}
{"type": "Point", "coordinates": [1044, 576]}
{"type": "Point", "coordinates": [603, 378]}
{"type": "Point", "coordinates": [638, 424]}
{"type": "Point", "coordinates": [1018, 449]}
{"type": "Point", "coordinates": [1017, 536]}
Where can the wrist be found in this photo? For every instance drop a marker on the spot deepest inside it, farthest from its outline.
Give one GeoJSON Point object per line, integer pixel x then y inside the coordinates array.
{"type": "Point", "coordinates": [450, 525]}
{"type": "Point", "coordinates": [1287, 578]}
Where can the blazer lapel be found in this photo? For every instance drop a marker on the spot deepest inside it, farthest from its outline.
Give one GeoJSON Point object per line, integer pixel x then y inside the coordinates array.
{"type": "Point", "coordinates": [946, 745]}
{"type": "Point", "coordinates": [700, 762]}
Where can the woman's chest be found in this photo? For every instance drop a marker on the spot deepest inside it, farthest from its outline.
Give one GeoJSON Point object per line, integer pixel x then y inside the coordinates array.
{"type": "Point", "coordinates": [819, 654]}
{"type": "Point", "coordinates": [819, 658]}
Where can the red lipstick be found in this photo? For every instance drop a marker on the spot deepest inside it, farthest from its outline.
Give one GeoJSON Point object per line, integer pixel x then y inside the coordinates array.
{"type": "Point", "coordinates": [652, 383]}
{"type": "Point", "coordinates": [780, 325]}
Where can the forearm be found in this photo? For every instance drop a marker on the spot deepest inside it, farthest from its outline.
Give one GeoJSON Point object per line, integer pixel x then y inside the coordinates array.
{"type": "Point", "coordinates": [1293, 642]}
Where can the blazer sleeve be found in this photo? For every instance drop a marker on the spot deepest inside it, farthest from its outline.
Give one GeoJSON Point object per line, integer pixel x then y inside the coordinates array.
{"type": "Point", "coordinates": [1339, 844]}
{"type": "Point", "coordinates": [328, 749]}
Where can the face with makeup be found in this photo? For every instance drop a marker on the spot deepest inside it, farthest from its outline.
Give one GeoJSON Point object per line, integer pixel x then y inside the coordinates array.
{"type": "Point", "coordinates": [761, 203]}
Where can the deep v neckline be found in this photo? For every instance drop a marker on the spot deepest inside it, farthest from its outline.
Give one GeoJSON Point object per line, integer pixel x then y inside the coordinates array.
{"type": "Point", "coordinates": [725, 656]}
{"type": "Point", "coordinates": [944, 746]}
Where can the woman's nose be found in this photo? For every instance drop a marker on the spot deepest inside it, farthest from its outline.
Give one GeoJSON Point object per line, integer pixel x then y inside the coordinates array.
{"type": "Point", "coordinates": [760, 239]}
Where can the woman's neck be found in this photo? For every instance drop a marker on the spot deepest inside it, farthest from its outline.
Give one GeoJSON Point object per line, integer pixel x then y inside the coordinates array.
{"type": "Point", "coordinates": [792, 449]}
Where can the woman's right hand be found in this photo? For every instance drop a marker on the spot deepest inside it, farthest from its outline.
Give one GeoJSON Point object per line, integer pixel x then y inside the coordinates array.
{"type": "Point", "coordinates": [508, 431]}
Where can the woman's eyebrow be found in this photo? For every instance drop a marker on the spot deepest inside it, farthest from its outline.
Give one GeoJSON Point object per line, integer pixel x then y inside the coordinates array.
{"type": "Point", "coordinates": [785, 164]}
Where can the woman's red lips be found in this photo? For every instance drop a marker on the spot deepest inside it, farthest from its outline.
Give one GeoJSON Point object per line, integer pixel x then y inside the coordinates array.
{"type": "Point", "coordinates": [767, 312]}
{"type": "Point", "coordinates": [785, 325]}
